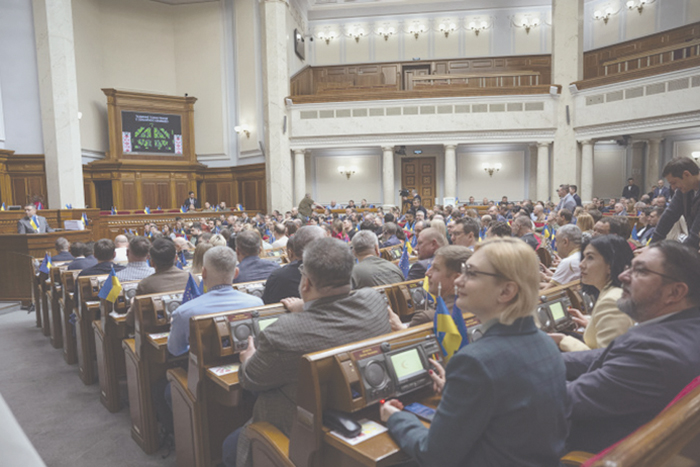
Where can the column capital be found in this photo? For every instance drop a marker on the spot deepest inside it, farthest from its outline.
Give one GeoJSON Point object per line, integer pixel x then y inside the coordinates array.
{"type": "Point", "coordinates": [655, 140]}
{"type": "Point", "coordinates": [543, 144]}
{"type": "Point", "coordinates": [387, 148]}
{"type": "Point", "coordinates": [298, 152]}
{"type": "Point", "coordinates": [451, 146]}
{"type": "Point", "coordinates": [583, 142]}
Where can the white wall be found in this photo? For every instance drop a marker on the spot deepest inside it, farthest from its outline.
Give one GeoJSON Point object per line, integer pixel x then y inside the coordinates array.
{"type": "Point", "coordinates": [327, 184]}
{"type": "Point", "coordinates": [20, 125]}
{"type": "Point", "coordinates": [609, 170]}
{"type": "Point", "coordinates": [472, 180]}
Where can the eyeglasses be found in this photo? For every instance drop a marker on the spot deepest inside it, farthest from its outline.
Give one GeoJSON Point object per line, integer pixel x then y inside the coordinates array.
{"type": "Point", "coordinates": [637, 271]}
{"type": "Point", "coordinates": [470, 273]}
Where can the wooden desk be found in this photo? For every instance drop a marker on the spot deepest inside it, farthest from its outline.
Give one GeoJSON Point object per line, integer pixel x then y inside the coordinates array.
{"type": "Point", "coordinates": [86, 311]}
{"type": "Point", "coordinates": [66, 304]}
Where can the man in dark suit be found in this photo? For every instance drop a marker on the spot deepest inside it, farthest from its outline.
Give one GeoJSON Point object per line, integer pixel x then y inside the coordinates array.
{"type": "Point", "coordinates": [63, 251]}
{"type": "Point", "coordinates": [631, 190]}
{"type": "Point", "coordinates": [284, 282]}
{"type": "Point", "coordinates": [683, 175]}
{"type": "Point", "coordinates": [614, 391]}
{"type": "Point", "coordinates": [104, 253]}
{"type": "Point", "coordinates": [32, 223]}
{"type": "Point", "coordinates": [661, 190]}
{"type": "Point", "coordinates": [82, 252]}
{"type": "Point", "coordinates": [429, 240]}
{"type": "Point", "coordinates": [250, 266]}
{"type": "Point", "coordinates": [191, 202]}
{"type": "Point", "coordinates": [327, 315]}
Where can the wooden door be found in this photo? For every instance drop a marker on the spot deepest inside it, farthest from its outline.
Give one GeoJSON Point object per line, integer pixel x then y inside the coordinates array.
{"type": "Point", "coordinates": [418, 173]}
{"type": "Point", "coordinates": [410, 71]}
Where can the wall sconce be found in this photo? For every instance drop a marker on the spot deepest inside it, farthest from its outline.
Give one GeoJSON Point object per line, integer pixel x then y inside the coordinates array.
{"type": "Point", "coordinates": [696, 156]}
{"type": "Point", "coordinates": [357, 33]}
{"type": "Point", "coordinates": [491, 168]}
{"type": "Point", "coordinates": [327, 36]}
{"type": "Point", "coordinates": [347, 171]}
{"type": "Point", "coordinates": [386, 32]}
{"type": "Point", "coordinates": [242, 129]}
{"type": "Point", "coordinates": [639, 5]}
{"type": "Point", "coordinates": [447, 29]}
{"type": "Point", "coordinates": [604, 14]}
{"type": "Point", "coordinates": [416, 29]}
{"type": "Point", "coordinates": [478, 27]}
{"type": "Point", "coordinates": [529, 24]}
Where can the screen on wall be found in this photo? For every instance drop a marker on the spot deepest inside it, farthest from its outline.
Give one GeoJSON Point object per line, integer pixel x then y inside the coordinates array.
{"type": "Point", "coordinates": [152, 133]}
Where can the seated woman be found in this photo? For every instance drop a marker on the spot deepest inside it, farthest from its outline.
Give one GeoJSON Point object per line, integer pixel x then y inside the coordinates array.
{"type": "Point", "coordinates": [602, 260]}
{"type": "Point", "coordinates": [503, 396]}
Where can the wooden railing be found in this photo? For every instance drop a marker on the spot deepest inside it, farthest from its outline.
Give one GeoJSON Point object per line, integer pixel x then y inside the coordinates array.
{"type": "Point", "coordinates": [480, 80]}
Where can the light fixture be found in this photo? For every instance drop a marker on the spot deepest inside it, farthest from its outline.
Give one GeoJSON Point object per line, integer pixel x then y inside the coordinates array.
{"type": "Point", "coordinates": [417, 29]}
{"type": "Point", "coordinates": [242, 129]}
{"type": "Point", "coordinates": [347, 171]}
{"type": "Point", "coordinates": [529, 24]}
{"type": "Point", "coordinates": [447, 28]}
{"type": "Point", "coordinates": [478, 27]}
{"type": "Point", "coordinates": [604, 14]}
{"type": "Point", "coordinates": [327, 36]}
{"type": "Point", "coordinates": [638, 4]}
{"type": "Point", "coordinates": [357, 33]}
{"type": "Point", "coordinates": [696, 156]}
{"type": "Point", "coordinates": [491, 168]}
{"type": "Point", "coordinates": [386, 32]}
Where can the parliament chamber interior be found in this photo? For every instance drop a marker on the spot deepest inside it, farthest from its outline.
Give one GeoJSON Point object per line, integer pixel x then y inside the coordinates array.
{"type": "Point", "coordinates": [320, 233]}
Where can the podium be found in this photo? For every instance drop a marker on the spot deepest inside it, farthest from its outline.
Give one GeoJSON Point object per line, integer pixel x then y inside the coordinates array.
{"type": "Point", "coordinates": [16, 253]}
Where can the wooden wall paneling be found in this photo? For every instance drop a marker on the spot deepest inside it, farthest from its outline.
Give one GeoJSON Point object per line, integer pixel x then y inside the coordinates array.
{"type": "Point", "coordinates": [5, 180]}
{"type": "Point", "coordinates": [19, 190]}
{"type": "Point", "coordinates": [138, 184]}
{"type": "Point", "coordinates": [128, 195]}
{"type": "Point", "coordinates": [163, 194]}
{"type": "Point", "coordinates": [150, 194]}
{"type": "Point", "coordinates": [181, 191]}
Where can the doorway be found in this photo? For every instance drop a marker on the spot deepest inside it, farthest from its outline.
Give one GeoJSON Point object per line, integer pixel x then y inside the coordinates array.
{"type": "Point", "coordinates": [418, 173]}
{"type": "Point", "coordinates": [410, 71]}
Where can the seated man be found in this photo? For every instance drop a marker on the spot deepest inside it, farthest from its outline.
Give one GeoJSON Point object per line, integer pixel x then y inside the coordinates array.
{"type": "Point", "coordinates": [371, 270]}
{"type": "Point", "coordinates": [137, 254]}
{"type": "Point", "coordinates": [466, 232]}
{"type": "Point", "coordinates": [83, 257]}
{"type": "Point", "coordinates": [284, 282]}
{"type": "Point", "coordinates": [326, 316]}
{"type": "Point", "coordinates": [569, 249]}
{"type": "Point", "coordinates": [104, 253]}
{"type": "Point", "coordinates": [429, 240]}
{"type": "Point", "coordinates": [615, 390]}
{"type": "Point", "coordinates": [63, 253]}
{"type": "Point", "coordinates": [250, 266]}
{"type": "Point", "coordinates": [167, 277]}
{"type": "Point", "coordinates": [121, 243]}
{"type": "Point", "coordinates": [521, 227]}
{"type": "Point", "coordinates": [389, 235]}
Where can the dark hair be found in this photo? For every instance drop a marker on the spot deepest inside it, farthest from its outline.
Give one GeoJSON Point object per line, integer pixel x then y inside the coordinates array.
{"type": "Point", "coordinates": [500, 229]}
{"type": "Point", "coordinates": [616, 227]}
{"type": "Point", "coordinates": [566, 214]}
{"type": "Point", "coordinates": [676, 166]}
{"type": "Point", "coordinates": [389, 217]}
{"type": "Point", "coordinates": [291, 228]}
{"type": "Point", "coordinates": [139, 246]}
{"type": "Point", "coordinates": [616, 253]}
{"type": "Point", "coordinates": [596, 215]}
{"type": "Point", "coordinates": [104, 249]}
{"type": "Point", "coordinates": [469, 225]}
{"type": "Point", "coordinates": [77, 249]}
{"type": "Point", "coordinates": [248, 243]}
{"type": "Point", "coordinates": [163, 253]}
{"type": "Point", "coordinates": [682, 263]}
{"type": "Point", "coordinates": [367, 225]}
{"type": "Point", "coordinates": [574, 187]}
{"type": "Point", "coordinates": [328, 262]}
{"type": "Point", "coordinates": [89, 249]}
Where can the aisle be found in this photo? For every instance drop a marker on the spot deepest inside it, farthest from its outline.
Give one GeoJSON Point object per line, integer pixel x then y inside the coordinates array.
{"type": "Point", "coordinates": [62, 417]}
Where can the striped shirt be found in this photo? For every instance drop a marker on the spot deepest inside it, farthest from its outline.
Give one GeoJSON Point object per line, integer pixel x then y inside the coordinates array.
{"type": "Point", "coordinates": [135, 271]}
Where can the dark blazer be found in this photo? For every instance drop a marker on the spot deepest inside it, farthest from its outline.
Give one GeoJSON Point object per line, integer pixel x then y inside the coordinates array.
{"type": "Point", "coordinates": [282, 283]}
{"type": "Point", "coordinates": [189, 201]}
{"type": "Point", "coordinates": [101, 268]}
{"type": "Point", "coordinates": [24, 226]}
{"type": "Point", "coordinates": [503, 404]}
{"type": "Point", "coordinates": [614, 391]}
{"type": "Point", "coordinates": [419, 269]}
{"type": "Point", "coordinates": [62, 256]}
{"type": "Point", "coordinates": [687, 205]}
{"type": "Point", "coordinates": [163, 281]}
{"type": "Point", "coordinates": [663, 191]}
{"type": "Point", "coordinates": [631, 191]}
{"type": "Point", "coordinates": [254, 268]}
{"type": "Point", "coordinates": [272, 371]}
{"type": "Point", "coordinates": [82, 263]}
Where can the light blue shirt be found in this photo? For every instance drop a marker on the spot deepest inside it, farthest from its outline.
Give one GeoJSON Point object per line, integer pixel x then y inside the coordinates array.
{"type": "Point", "coordinates": [218, 299]}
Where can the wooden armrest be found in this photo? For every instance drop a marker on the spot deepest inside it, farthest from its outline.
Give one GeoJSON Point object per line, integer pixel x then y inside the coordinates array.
{"type": "Point", "coordinates": [130, 345]}
{"type": "Point", "coordinates": [270, 442]}
{"type": "Point", "coordinates": [178, 376]}
{"type": "Point", "coordinates": [576, 458]}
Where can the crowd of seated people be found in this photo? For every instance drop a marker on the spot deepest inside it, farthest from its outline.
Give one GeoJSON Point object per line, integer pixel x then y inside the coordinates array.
{"type": "Point", "coordinates": [635, 349]}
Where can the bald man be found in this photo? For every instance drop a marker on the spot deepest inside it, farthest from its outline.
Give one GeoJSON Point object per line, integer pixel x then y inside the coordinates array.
{"type": "Point", "coordinates": [121, 244]}
{"type": "Point", "coordinates": [429, 241]}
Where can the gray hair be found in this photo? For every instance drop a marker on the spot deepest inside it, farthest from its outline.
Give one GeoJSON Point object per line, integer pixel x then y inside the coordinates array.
{"type": "Point", "coordinates": [304, 236]}
{"type": "Point", "coordinates": [248, 242]}
{"type": "Point", "coordinates": [221, 261]}
{"type": "Point", "coordinates": [62, 244]}
{"type": "Point", "coordinates": [571, 232]}
{"type": "Point", "coordinates": [364, 241]}
{"type": "Point", "coordinates": [328, 262]}
{"type": "Point", "coordinates": [121, 240]}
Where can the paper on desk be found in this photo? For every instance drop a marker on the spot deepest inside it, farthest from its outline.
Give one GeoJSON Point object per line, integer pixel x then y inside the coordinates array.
{"type": "Point", "coordinates": [369, 430]}
{"type": "Point", "coordinates": [114, 314]}
{"type": "Point", "coordinates": [160, 335]}
{"type": "Point", "coordinates": [225, 369]}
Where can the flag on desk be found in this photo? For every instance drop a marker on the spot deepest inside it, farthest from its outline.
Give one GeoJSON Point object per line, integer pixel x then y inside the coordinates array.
{"type": "Point", "coordinates": [450, 329]}
{"type": "Point", "coordinates": [635, 235]}
{"type": "Point", "coordinates": [158, 209]}
{"type": "Point", "coordinates": [146, 210]}
{"type": "Point", "coordinates": [34, 221]}
{"type": "Point", "coordinates": [183, 209]}
{"type": "Point", "coordinates": [2, 208]}
{"type": "Point", "coordinates": [69, 206]}
{"type": "Point", "coordinates": [404, 263]}
{"type": "Point", "coordinates": [46, 264]}
{"type": "Point", "coordinates": [114, 211]}
{"type": "Point", "coordinates": [192, 290]}
{"type": "Point", "coordinates": [111, 288]}
{"type": "Point", "coordinates": [426, 287]}
{"type": "Point", "coordinates": [84, 220]}
{"type": "Point", "coordinates": [239, 207]}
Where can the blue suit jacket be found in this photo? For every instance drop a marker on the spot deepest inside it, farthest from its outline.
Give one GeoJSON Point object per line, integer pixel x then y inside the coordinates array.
{"type": "Point", "coordinates": [253, 268]}
{"type": "Point", "coordinates": [504, 404]}
{"type": "Point", "coordinates": [615, 390]}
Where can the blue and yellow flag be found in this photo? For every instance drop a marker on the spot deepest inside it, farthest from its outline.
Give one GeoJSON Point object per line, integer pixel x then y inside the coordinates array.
{"type": "Point", "coordinates": [34, 221]}
{"type": "Point", "coordinates": [46, 264]}
{"type": "Point", "coordinates": [158, 208]}
{"type": "Point", "coordinates": [635, 236]}
{"type": "Point", "coordinates": [426, 286]}
{"type": "Point", "coordinates": [114, 211]}
{"type": "Point", "coordinates": [450, 329]}
{"type": "Point", "coordinates": [239, 207]}
{"type": "Point", "coordinates": [404, 263]}
{"type": "Point", "coordinates": [146, 210]}
{"type": "Point", "coordinates": [111, 288]}
{"type": "Point", "coordinates": [192, 290]}
{"type": "Point", "coordinates": [69, 206]}
{"type": "Point", "coordinates": [183, 209]}
{"type": "Point", "coordinates": [84, 219]}
{"type": "Point", "coordinates": [2, 208]}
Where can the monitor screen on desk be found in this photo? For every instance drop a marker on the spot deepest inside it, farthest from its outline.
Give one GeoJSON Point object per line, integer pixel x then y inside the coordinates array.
{"type": "Point", "coordinates": [557, 311]}
{"type": "Point", "coordinates": [407, 363]}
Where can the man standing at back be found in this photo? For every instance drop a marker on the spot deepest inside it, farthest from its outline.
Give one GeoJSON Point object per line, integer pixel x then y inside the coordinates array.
{"type": "Point", "coordinates": [31, 223]}
{"type": "Point", "coordinates": [566, 201]}
{"type": "Point", "coordinates": [327, 315]}
{"type": "Point", "coordinates": [683, 175]}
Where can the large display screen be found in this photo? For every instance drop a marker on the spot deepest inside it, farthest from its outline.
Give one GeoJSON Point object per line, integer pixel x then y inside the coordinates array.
{"type": "Point", "coordinates": [407, 363]}
{"type": "Point", "coordinates": [144, 132]}
{"type": "Point", "coordinates": [264, 323]}
{"type": "Point", "coordinates": [557, 311]}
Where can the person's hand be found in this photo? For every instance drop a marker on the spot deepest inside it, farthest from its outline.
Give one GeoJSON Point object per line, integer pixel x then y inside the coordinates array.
{"type": "Point", "coordinates": [578, 317]}
{"type": "Point", "coordinates": [437, 375]}
{"type": "Point", "coordinates": [556, 337]}
{"type": "Point", "coordinates": [389, 408]}
{"type": "Point", "coordinates": [395, 321]}
{"type": "Point", "coordinates": [247, 353]}
{"type": "Point", "coordinates": [293, 304]}
{"type": "Point", "coordinates": [555, 260]}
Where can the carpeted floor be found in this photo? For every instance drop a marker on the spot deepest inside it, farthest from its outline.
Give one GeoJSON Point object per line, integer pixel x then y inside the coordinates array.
{"type": "Point", "coordinates": [62, 417]}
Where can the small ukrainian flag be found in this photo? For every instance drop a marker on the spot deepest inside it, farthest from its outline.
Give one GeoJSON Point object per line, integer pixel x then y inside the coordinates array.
{"type": "Point", "coordinates": [2, 208]}
{"type": "Point", "coordinates": [147, 210]}
{"type": "Point", "coordinates": [114, 211]}
{"type": "Point", "coordinates": [111, 288]}
{"type": "Point", "coordinates": [46, 264]}
{"type": "Point", "coordinates": [182, 209]}
{"type": "Point", "coordinates": [84, 220]}
{"type": "Point", "coordinates": [450, 330]}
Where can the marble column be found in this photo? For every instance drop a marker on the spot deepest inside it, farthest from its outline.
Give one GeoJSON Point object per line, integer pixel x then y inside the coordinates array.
{"type": "Point", "coordinates": [450, 171]}
{"type": "Point", "coordinates": [653, 172]}
{"type": "Point", "coordinates": [275, 89]}
{"type": "Point", "coordinates": [388, 175]}
{"type": "Point", "coordinates": [299, 175]}
{"type": "Point", "coordinates": [542, 170]}
{"type": "Point", "coordinates": [567, 67]}
{"type": "Point", "coordinates": [586, 191]}
{"type": "Point", "coordinates": [58, 94]}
